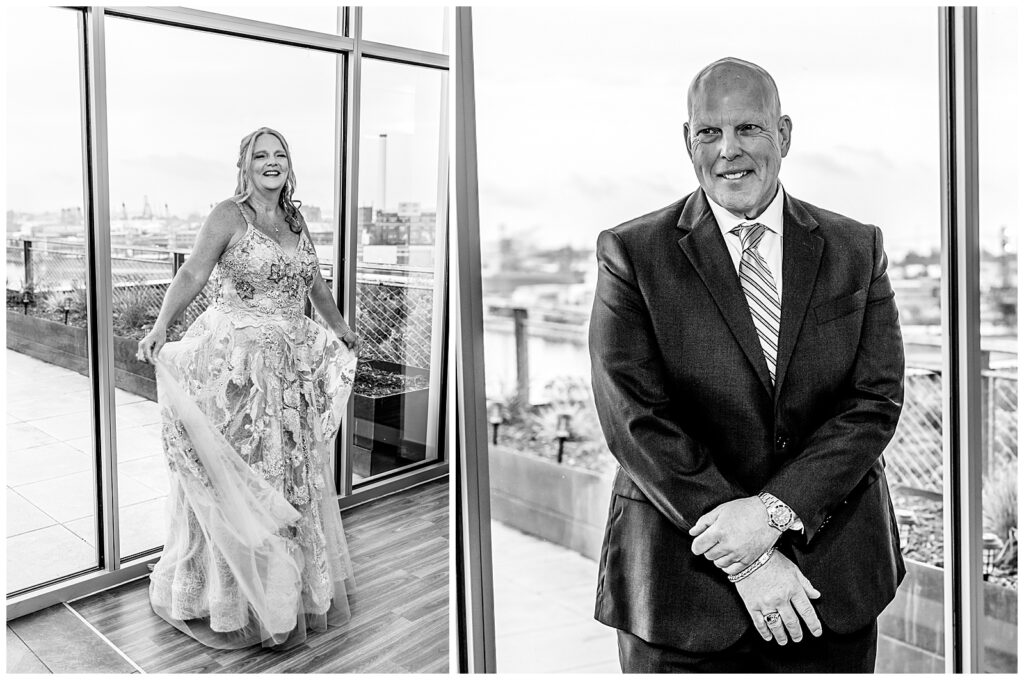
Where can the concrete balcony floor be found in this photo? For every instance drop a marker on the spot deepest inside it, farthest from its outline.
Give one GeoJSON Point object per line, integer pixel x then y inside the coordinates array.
{"type": "Point", "coordinates": [544, 608]}
{"type": "Point", "coordinates": [51, 491]}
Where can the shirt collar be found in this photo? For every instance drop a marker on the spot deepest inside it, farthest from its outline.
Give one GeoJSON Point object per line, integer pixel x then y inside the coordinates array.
{"type": "Point", "coordinates": [771, 217]}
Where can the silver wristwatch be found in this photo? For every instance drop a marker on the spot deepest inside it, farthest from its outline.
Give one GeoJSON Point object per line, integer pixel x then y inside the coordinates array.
{"type": "Point", "coordinates": [780, 515]}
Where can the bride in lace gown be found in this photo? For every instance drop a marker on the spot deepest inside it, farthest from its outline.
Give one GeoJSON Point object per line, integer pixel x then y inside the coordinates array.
{"type": "Point", "coordinates": [251, 398]}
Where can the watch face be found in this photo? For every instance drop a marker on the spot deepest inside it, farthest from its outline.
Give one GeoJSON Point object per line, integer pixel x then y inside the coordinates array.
{"type": "Point", "coordinates": [781, 515]}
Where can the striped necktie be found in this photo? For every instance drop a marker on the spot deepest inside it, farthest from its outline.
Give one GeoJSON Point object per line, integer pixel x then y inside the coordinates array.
{"type": "Point", "coordinates": [762, 295]}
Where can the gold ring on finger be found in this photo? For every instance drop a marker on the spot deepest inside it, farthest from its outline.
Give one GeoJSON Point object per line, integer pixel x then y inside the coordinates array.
{"type": "Point", "coordinates": [773, 618]}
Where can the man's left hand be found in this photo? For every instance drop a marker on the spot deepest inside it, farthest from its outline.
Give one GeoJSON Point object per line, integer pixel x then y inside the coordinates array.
{"type": "Point", "coordinates": [734, 534]}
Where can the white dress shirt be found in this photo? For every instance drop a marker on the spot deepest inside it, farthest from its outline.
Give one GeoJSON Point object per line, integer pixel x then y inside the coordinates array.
{"type": "Point", "coordinates": [770, 246]}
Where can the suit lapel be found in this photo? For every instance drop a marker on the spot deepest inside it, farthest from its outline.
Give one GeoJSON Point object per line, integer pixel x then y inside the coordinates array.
{"type": "Point", "coordinates": [801, 258]}
{"type": "Point", "coordinates": [704, 246]}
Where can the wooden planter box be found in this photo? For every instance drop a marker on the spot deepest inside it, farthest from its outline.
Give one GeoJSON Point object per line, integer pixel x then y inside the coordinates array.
{"type": "Point", "coordinates": [562, 504]}
{"type": "Point", "coordinates": [911, 630]}
{"type": "Point", "coordinates": [68, 346]}
{"type": "Point", "coordinates": [390, 430]}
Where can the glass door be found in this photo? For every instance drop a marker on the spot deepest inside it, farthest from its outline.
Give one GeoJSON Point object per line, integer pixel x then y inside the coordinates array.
{"type": "Point", "coordinates": [171, 161]}
{"type": "Point", "coordinates": [400, 267]}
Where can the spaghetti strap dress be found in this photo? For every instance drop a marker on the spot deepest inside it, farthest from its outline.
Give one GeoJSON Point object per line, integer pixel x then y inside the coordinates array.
{"type": "Point", "coordinates": [251, 399]}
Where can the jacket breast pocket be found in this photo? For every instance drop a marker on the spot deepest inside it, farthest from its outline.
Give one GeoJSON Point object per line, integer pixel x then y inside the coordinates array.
{"type": "Point", "coordinates": [841, 306]}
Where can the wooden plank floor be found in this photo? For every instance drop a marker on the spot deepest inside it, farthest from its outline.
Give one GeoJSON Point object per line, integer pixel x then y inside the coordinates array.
{"type": "Point", "coordinates": [399, 547]}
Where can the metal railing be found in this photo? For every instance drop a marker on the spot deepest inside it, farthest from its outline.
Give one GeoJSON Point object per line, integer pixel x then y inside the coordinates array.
{"type": "Point", "coordinates": [394, 309]}
{"type": "Point", "coordinates": [913, 457]}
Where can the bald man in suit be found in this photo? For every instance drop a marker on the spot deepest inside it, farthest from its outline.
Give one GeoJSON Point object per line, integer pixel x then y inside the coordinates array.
{"type": "Point", "coordinates": [748, 373]}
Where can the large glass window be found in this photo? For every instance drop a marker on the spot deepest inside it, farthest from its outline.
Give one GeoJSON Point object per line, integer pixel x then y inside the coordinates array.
{"type": "Point", "coordinates": [574, 142]}
{"type": "Point", "coordinates": [169, 108]}
{"type": "Point", "coordinates": [400, 257]}
{"type": "Point", "coordinates": [998, 88]}
{"type": "Point", "coordinates": [51, 476]}
{"type": "Point", "coordinates": [171, 161]}
{"type": "Point", "coordinates": [421, 28]}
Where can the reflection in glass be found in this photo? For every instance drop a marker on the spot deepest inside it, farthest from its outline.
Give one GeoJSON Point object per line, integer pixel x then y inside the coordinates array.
{"type": "Point", "coordinates": [421, 28]}
{"type": "Point", "coordinates": [400, 235]}
{"type": "Point", "coordinates": [179, 102]}
{"type": "Point", "coordinates": [564, 152]}
{"type": "Point", "coordinates": [998, 212]}
{"type": "Point", "coordinates": [51, 475]}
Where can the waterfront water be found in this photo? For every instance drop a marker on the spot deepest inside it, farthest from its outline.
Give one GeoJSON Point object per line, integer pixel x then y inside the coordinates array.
{"type": "Point", "coordinates": [565, 354]}
{"type": "Point", "coordinates": [549, 359]}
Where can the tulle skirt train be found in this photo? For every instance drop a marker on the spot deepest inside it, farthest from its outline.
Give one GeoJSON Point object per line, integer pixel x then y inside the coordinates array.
{"type": "Point", "coordinates": [255, 553]}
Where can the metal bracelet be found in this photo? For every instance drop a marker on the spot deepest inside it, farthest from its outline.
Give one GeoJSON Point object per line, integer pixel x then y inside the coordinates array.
{"type": "Point", "coordinates": [757, 564]}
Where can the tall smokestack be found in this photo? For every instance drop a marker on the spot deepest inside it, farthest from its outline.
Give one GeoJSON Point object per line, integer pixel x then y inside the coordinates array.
{"type": "Point", "coordinates": [382, 170]}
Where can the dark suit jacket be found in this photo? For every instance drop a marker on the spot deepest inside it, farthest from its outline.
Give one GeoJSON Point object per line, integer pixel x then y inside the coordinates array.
{"type": "Point", "coordinates": [687, 408]}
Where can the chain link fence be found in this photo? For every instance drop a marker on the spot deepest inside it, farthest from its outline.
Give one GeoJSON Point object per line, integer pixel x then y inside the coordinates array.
{"type": "Point", "coordinates": [395, 319]}
{"type": "Point", "coordinates": [54, 273]}
{"type": "Point", "coordinates": [394, 308]}
{"type": "Point", "coordinates": [914, 456]}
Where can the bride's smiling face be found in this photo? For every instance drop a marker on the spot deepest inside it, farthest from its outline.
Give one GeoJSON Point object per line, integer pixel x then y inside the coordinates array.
{"type": "Point", "coordinates": [269, 167]}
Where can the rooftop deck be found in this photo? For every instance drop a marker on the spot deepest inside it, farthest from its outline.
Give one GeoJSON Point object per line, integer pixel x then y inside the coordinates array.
{"type": "Point", "coordinates": [51, 496]}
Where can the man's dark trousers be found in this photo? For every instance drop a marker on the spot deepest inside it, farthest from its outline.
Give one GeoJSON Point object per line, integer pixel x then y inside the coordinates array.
{"type": "Point", "coordinates": [831, 653]}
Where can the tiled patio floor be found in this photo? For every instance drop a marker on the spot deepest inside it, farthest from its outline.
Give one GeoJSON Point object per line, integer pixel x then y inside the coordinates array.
{"type": "Point", "coordinates": [51, 494]}
{"type": "Point", "coordinates": [544, 608]}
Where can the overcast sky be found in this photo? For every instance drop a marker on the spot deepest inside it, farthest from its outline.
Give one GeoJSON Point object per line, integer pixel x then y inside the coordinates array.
{"type": "Point", "coordinates": [580, 112]}
{"type": "Point", "coordinates": [179, 102]}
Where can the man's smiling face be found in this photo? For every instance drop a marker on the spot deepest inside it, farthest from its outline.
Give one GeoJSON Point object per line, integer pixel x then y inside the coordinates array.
{"type": "Point", "coordinates": [737, 138]}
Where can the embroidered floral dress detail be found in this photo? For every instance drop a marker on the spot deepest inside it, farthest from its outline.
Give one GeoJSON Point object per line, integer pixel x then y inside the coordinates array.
{"type": "Point", "coordinates": [266, 388]}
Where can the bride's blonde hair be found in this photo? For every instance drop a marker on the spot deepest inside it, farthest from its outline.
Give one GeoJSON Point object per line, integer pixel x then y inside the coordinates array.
{"type": "Point", "coordinates": [244, 188]}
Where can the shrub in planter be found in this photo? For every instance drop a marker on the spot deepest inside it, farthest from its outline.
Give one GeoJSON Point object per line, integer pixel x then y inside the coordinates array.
{"type": "Point", "coordinates": [534, 428]}
{"type": "Point", "coordinates": [134, 312]}
{"type": "Point", "coordinates": [999, 511]}
{"type": "Point", "coordinates": [17, 298]}
{"type": "Point", "coordinates": [53, 304]}
{"type": "Point", "coordinates": [999, 500]}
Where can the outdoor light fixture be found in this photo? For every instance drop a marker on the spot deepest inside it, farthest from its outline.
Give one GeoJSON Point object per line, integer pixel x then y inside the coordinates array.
{"type": "Point", "coordinates": [991, 544]}
{"type": "Point", "coordinates": [494, 418]}
{"type": "Point", "coordinates": [905, 520]}
{"type": "Point", "coordinates": [66, 306]}
{"type": "Point", "coordinates": [562, 432]}
{"type": "Point", "coordinates": [26, 300]}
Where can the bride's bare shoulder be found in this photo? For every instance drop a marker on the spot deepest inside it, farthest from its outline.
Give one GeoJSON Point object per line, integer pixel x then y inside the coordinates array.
{"type": "Point", "coordinates": [227, 213]}
{"type": "Point", "coordinates": [226, 220]}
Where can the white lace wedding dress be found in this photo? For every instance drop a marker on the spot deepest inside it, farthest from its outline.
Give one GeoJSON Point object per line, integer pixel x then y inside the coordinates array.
{"type": "Point", "coordinates": [252, 397]}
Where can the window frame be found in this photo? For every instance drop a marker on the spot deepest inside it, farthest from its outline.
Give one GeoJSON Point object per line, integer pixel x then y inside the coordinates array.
{"type": "Point", "coordinates": [112, 569]}
{"type": "Point", "coordinates": [963, 608]}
